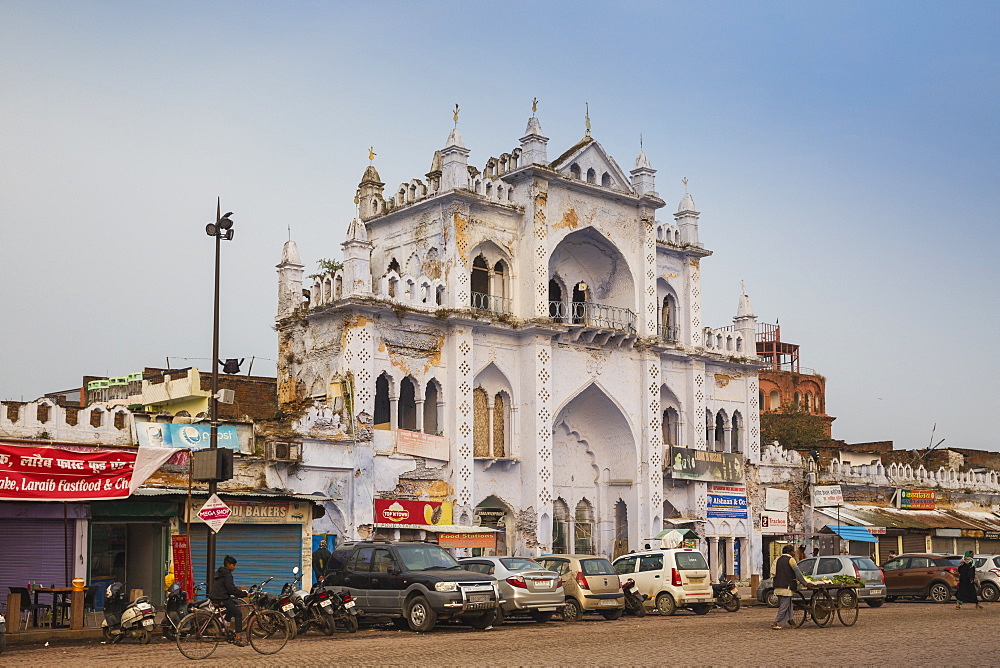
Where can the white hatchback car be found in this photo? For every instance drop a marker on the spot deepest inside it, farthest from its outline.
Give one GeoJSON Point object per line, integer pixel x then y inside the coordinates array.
{"type": "Point", "coordinates": [674, 578]}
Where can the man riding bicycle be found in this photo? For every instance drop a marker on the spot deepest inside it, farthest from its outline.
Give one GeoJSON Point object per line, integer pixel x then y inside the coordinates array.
{"type": "Point", "coordinates": [222, 592]}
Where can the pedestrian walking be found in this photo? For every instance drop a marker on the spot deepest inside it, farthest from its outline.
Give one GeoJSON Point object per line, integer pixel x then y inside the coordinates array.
{"type": "Point", "coordinates": [967, 582]}
{"type": "Point", "coordinates": [801, 554]}
{"type": "Point", "coordinates": [321, 558]}
{"type": "Point", "coordinates": [787, 578]}
{"type": "Point", "coordinates": [223, 591]}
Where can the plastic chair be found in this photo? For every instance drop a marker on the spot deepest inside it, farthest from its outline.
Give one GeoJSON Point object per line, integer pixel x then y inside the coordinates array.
{"type": "Point", "coordinates": [27, 607]}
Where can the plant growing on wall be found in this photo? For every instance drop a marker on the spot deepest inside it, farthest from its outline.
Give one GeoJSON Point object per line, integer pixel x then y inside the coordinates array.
{"type": "Point", "coordinates": [792, 427]}
{"type": "Point", "coordinates": [326, 267]}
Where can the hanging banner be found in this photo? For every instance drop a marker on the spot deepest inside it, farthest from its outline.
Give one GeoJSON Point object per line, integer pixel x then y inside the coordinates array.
{"type": "Point", "coordinates": [42, 473]}
{"type": "Point", "coordinates": [191, 436]}
{"type": "Point", "coordinates": [693, 464]}
{"type": "Point", "coordinates": [404, 511]}
{"type": "Point", "coordinates": [181, 548]}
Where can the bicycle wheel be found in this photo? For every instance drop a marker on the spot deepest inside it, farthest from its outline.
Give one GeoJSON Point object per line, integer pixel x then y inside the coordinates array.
{"type": "Point", "coordinates": [268, 632]}
{"type": "Point", "coordinates": [847, 607]}
{"type": "Point", "coordinates": [800, 610]}
{"type": "Point", "coordinates": [198, 634]}
{"type": "Point", "coordinates": [823, 606]}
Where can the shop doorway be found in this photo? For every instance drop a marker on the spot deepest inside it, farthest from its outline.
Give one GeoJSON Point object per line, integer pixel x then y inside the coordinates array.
{"type": "Point", "coordinates": [134, 553]}
{"type": "Point", "coordinates": [495, 514]}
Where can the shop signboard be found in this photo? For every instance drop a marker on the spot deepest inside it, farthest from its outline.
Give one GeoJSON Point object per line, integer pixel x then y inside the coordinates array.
{"type": "Point", "coordinates": [991, 535]}
{"type": "Point", "coordinates": [486, 539]}
{"type": "Point", "coordinates": [190, 436]}
{"type": "Point", "coordinates": [214, 513]}
{"type": "Point", "coordinates": [729, 501]}
{"type": "Point", "coordinates": [265, 511]}
{"type": "Point", "coordinates": [417, 444]}
{"type": "Point", "coordinates": [691, 464]}
{"type": "Point", "coordinates": [404, 511]}
{"type": "Point", "coordinates": [42, 473]}
{"type": "Point", "coordinates": [773, 522]}
{"type": "Point", "coordinates": [916, 499]}
{"type": "Point", "coordinates": [876, 531]}
{"type": "Point", "coordinates": [776, 498]}
{"type": "Point", "coordinates": [183, 575]}
{"type": "Point", "coordinates": [826, 496]}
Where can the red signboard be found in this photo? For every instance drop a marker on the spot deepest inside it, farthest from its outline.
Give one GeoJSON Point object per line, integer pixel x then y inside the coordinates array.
{"type": "Point", "coordinates": [183, 574]}
{"type": "Point", "coordinates": [401, 511]}
{"type": "Point", "coordinates": [42, 473]}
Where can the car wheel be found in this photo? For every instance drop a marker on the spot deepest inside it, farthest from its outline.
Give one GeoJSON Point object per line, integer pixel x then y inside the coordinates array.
{"type": "Point", "coordinates": [939, 592]}
{"type": "Point", "coordinates": [612, 615]}
{"type": "Point", "coordinates": [771, 599]}
{"type": "Point", "coordinates": [541, 617]}
{"type": "Point", "coordinates": [990, 592]}
{"type": "Point", "coordinates": [665, 604]}
{"type": "Point", "coordinates": [572, 611]}
{"type": "Point", "coordinates": [875, 602]}
{"type": "Point", "coordinates": [701, 608]}
{"type": "Point", "coordinates": [890, 599]}
{"type": "Point", "coordinates": [420, 615]}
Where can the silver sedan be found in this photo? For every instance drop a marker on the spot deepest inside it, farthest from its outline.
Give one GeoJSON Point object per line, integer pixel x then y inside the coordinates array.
{"type": "Point", "coordinates": [526, 587]}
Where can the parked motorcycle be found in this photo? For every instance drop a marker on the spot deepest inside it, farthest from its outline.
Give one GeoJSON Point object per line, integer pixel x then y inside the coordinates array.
{"type": "Point", "coordinates": [287, 603]}
{"type": "Point", "coordinates": [346, 613]}
{"type": "Point", "coordinates": [121, 620]}
{"type": "Point", "coordinates": [313, 609]}
{"type": "Point", "coordinates": [177, 606]}
{"type": "Point", "coordinates": [634, 601]}
{"type": "Point", "coordinates": [727, 596]}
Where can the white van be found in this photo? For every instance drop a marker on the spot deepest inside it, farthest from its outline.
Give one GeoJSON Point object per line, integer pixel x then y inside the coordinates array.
{"type": "Point", "coordinates": [677, 578]}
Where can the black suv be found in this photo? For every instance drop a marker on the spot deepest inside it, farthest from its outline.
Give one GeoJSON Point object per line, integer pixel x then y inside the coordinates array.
{"type": "Point", "coordinates": [414, 583]}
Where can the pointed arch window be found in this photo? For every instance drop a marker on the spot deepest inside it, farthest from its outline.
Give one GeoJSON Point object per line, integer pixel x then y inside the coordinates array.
{"type": "Point", "coordinates": [574, 171]}
{"type": "Point", "coordinates": [583, 528]}
{"type": "Point", "coordinates": [480, 423]}
{"type": "Point", "coordinates": [431, 408]}
{"type": "Point", "coordinates": [591, 176]}
{"type": "Point", "coordinates": [382, 405]}
{"type": "Point", "coordinates": [560, 527]}
{"type": "Point", "coordinates": [670, 426]}
{"type": "Point", "coordinates": [606, 180]}
{"type": "Point", "coordinates": [407, 418]}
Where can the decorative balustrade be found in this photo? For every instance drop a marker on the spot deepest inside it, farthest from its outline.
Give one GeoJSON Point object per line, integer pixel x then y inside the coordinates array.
{"type": "Point", "coordinates": [668, 334]}
{"type": "Point", "coordinates": [592, 314]}
{"type": "Point", "coordinates": [491, 304]}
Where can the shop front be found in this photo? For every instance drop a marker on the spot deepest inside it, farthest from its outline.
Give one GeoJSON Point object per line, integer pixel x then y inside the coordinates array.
{"type": "Point", "coordinates": [43, 543]}
{"type": "Point", "coordinates": [268, 536]}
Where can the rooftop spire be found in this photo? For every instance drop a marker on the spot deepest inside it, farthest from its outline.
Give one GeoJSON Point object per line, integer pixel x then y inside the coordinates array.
{"type": "Point", "coordinates": [587, 118]}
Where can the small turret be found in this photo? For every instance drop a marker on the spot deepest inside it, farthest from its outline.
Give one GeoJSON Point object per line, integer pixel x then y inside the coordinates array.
{"type": "Point", "coordinates": [687, 219]}
{"type": "Point", "coordinates": [357, 260]}
{"type": "Point", "coordinates": [289, 280]}
{"type": "Point", "coordinates": [454, 163]}
{"type": "Point", "coordinates": [643, 180]}
{"type": "Point", "coordinates": [534, 145]}
{"type": "Point", "coordinates": [746, 325]}
{"type": "Point", "coordinates": [371, 202]}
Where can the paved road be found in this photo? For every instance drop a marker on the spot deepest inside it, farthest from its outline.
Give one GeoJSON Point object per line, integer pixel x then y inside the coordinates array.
{"type": "Point", "coordinates": [896, 634]}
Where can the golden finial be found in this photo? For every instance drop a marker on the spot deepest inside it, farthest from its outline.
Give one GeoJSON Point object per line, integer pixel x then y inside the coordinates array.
{"type": "Point", "coordinates": [588, 118]}
{"type": "Point", "coordinates": [371, 153]}
{"type": "Point", "coordinates": [455, 115]}
{"type": "Point", "coordinates": [534, 106]}
{"type": "Point", "coordinates": [685, 182]}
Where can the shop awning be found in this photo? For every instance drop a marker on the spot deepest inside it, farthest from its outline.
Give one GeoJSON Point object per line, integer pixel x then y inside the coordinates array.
{"type": "Point", "coordinates": [683, 532]}
{"type": "Point", "coordinates": [437, 528]}
{"type": "Point", "coordinates": [859, 534]}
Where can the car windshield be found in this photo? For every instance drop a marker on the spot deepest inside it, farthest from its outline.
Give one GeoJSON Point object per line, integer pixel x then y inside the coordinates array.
{"type": "Point", "coordinates": [864, 564]}
{"type": "Point", "coordinates": [520, 564]}
{"type": "Point", "coordinates": [419, 557]}
{"type": "Point", "coordinates": [690, 561]}
{"type": "Point", "coordinates": [596, 567]}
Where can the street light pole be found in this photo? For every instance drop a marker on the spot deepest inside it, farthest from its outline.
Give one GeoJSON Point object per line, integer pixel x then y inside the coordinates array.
{"type": "Point", "coordinates": [222, 229]}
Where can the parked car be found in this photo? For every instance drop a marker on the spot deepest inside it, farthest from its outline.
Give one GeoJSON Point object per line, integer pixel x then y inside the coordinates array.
{"type": "Point", "coordinates": [590, 584]}
{"type": "Point", "coordinates": [526, 587]}
{"type": "Point", "coordinates": [673, 578]}
{"type": "Point", "coordinates": [988, 571]}
{"type": "Point", "coordinates": [873, 593]}
{"type": "Point", "coordinates": [414, 584]}
{"type": "Point", "coordinates": [921, 575]}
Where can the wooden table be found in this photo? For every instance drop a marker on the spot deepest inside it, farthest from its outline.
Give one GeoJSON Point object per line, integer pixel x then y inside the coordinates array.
{"type": "Point", "coordinates": [59, 595]}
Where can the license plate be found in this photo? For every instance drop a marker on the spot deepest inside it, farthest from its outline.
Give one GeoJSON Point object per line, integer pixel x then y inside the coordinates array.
{"type": "Point", "coordinates": [695, 579]}
{"type": "Point", "coordinates": [287, 606]}
{"type": "Point", "coordinates": [147, 622]}
{"type": "Point", "coordinates": [609, 601]}
{"type": "Point", "coordinates": [326, 604]}
{"type": "Point", "coordinates": [349, 605]}
{"type": "Point", "coordinates": [478, 598]}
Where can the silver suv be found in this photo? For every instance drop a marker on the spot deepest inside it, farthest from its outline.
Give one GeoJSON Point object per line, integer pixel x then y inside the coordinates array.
{"type": "Point", "coordinates": [873, 592]}
{"type": "Point", "coordinates": [988, 572]}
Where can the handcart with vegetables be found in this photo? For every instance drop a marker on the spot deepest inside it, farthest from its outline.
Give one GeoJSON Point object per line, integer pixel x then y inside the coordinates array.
{"type": "Point", "coordinates": [826, 597]}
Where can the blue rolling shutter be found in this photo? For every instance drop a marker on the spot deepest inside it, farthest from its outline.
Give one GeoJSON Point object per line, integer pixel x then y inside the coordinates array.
{"type": "Point", "coordinates": [261, 550]}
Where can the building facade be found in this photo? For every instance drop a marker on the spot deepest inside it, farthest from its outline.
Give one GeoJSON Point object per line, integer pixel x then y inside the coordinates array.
{"type": "Point", "coordinates": [525, 342]}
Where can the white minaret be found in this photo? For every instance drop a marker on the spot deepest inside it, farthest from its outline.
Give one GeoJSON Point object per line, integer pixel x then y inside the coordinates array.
{"type": "Point", "coordinates": [643, 180]}
{"type": "Point", "coordinates": [746, 324]}
{"type": "Point", "coordinates": [454, 161]}
{"type": "Point", "coordinates": [534, 145]}
{"type": "Point", "coordinates": [687, 220]}
{"type": "Point", "coordinates": [289, 280]}
{"type": "Point", "coordinates": [357, 260]}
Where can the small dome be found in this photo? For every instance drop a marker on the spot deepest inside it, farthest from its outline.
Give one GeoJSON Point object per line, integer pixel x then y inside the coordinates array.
{"type": "Point", "coordinates": [687, 203]}
{"type": "Point", "coordinates": [371, 175]}
{"type": "Point", "coordinates": [534, 127]}
{"type": "Point", "coordinates": [290, 253]}
{"type": "Point", "coordinates": [357, 230]}
{"type": "Point", "coordinates": [744, 309]}
{"type": "Point", "coordinates": [642, 162]}
{"type": "Point", "coordinates": [455, 139]}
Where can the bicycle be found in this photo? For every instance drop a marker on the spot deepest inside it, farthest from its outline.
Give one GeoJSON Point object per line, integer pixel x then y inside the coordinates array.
{"type": "Point", "coordinates": [822, 602]}
{"type": "Point", "coordinates": [201, 631]}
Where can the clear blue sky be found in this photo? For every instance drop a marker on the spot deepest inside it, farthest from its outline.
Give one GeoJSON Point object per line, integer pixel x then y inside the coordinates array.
{"type": "Point", "coordinates": [844, 155]}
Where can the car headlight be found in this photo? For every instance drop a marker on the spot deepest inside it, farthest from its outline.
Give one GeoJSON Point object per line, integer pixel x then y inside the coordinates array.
{"type": "Point", "coordinates": [446, 586]}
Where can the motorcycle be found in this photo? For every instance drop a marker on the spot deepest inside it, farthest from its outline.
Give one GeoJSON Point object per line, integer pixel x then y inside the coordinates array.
{"type": "Point", "coordinates": [177, 606]}
{"type": "Point", "coordinates": [726, 595]}
{"type": "Point", "coordinates": [287, 604]}
{"type": "Point", "coordinates": [634, 601]}
{"type": "Point", "coordinates": [312, 609]}
{"type": "Point", "coordinates": [134, 620]}
{"type": "Point", "coordinates": [346, 613]}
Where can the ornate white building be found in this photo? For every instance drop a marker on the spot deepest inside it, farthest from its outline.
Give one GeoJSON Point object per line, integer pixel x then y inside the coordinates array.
{"type": "Point", "coordinates": [536, 333]}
